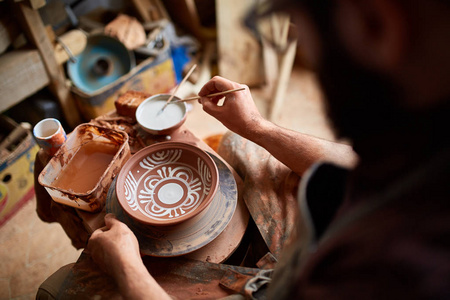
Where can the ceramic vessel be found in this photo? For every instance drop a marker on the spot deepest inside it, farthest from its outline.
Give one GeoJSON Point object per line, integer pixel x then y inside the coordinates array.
{"type": "Point", "coordinates": [191, 235]}
{"type": "Point", "coordinates": [167, 183]}
{"type": "Point", "coordinates": [49, 135]}
{"type": "Point", "coordinates": [81, 172]}
{"type": "Point", "coordinates": [152, 120]}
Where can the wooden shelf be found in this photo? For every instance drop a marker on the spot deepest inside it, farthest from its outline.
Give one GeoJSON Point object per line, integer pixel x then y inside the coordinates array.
{"type": "Point", "coordinates": [22, 73]}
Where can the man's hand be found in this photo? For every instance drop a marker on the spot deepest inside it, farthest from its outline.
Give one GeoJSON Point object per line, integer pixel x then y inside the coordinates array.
{"type": "Point", "coordinates": [238, 113]}
{"type": "Point", "coordinates": [113, 246]}
{"type": "Point", "coordinates": [116, 250]}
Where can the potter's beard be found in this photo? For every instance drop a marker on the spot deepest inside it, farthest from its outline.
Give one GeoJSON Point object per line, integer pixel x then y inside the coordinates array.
{"type": "Point", "coordinates": [361, 104]}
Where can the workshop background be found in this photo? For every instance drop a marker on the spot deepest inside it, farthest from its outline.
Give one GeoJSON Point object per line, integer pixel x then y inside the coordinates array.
{"type": "Point", "coordinates": [145, 45]}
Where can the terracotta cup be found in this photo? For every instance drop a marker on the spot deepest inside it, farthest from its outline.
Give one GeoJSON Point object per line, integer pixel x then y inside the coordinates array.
{"type": "Point", "coordinates": [49, 135]}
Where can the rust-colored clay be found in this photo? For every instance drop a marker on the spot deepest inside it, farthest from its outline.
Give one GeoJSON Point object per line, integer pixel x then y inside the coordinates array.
{"type": "Point", "coordinates": [167, 183]}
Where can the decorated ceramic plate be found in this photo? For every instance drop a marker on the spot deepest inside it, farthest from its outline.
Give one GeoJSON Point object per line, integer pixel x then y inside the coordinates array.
{"type": "Point", "coordinates": [167, 183]}
{"type": "Point", "coordinates": [188, 236]}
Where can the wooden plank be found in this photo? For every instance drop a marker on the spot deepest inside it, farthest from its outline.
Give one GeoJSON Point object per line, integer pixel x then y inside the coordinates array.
{"type": "Point", "coordinates": [160, 11]}
{"type": "Point", "coordinates": [185, 14]}
{"type": "Point", "coordinates": [150, 10]}
{"type": "Point", "coordinates": [271, 60]}
{"type": "Point", "coordinates": [286, 61]}
{"type": "Point", "coordinates": [75, 40]}
{"type": "Point", "coordinates": [142, 10]}
{"type": "Point", "coordinates": [36, 4]}
{"type": "Point", "coordinates": [36, 33]}
{"type": "Point", "coordinates": [22, 73]}
{"type": "Point", "coordinates": [240, 57]}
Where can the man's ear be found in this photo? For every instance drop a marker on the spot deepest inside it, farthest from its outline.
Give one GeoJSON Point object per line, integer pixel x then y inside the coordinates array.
{"type": "Point", "coordinates": [373, 31]}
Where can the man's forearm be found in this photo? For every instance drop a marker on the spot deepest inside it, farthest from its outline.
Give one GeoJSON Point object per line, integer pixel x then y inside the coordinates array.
{"type": "Point", "coordinates": [299, 151]}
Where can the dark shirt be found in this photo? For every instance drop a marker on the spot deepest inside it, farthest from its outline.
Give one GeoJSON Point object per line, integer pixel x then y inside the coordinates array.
{"type": "Point", "coordinates": [393, 243]}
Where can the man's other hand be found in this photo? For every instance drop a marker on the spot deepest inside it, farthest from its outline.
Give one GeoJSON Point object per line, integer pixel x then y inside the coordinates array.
{"type": "Point", "coordinates": [113, 246]}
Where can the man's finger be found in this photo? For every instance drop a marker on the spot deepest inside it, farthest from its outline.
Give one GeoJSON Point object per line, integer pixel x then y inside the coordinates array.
{"type": "Point", "coordinates": [210, 107]}
{"type": "Point", "coordinates": [104, 228]}
{"type": "Point", "coordinates": [110, 220]}
{"type": "Point", "coordinates": [215, 85]}
{"type": "Point", "coordinates": [110, 215]}
{"type": "Point", "coordinates": [95, 233]}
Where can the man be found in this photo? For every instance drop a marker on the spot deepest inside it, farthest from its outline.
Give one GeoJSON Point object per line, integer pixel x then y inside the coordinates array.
{"type": "Point", "coordinates": [384, 66]}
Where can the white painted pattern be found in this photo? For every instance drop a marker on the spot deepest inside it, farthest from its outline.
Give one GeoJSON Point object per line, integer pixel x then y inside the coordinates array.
{"type": "Point", "coordinates": [161, 157]}
{"type": "Point", "coordinates": [130, 190]}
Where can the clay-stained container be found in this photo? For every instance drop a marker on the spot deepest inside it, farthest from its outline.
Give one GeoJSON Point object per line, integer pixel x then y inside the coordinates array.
{"type": "Point", "coordinates": [80, 173]}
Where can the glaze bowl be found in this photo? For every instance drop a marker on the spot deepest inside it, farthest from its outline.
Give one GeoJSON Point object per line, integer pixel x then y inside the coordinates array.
{"type": "Point", "coordinates": [151, 119]}
{"type": "Point", "coordinates": [167, 183]}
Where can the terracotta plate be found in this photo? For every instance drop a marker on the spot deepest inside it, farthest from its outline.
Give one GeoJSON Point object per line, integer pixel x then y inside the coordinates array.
{"type": "Point", "coordinates": [167, 183]}
{"type": "Point", "coordinates": [191, 234]}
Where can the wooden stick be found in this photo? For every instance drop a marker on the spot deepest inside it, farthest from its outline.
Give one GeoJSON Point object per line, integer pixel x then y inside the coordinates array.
{"type": "Point", "coordinates": [210, 95]}
{"type": "Point", "coordinates": [275, 29]}
{"type": "Point", "coordinates": [178, 86]}
{"type": "Point", "coordinates": [284, 32]}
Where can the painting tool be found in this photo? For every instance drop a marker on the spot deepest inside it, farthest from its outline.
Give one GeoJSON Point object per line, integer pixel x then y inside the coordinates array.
{"type": "Point", "coordinates": [176, 89]}
{"type": "Point", "coordinates": [210, 95]}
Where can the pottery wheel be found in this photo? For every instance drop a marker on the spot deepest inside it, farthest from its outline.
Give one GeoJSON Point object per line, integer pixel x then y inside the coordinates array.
{"type": "Point", "coordinates": [191, 234]}
{"type": "Point", "coordinates": [104, 60]}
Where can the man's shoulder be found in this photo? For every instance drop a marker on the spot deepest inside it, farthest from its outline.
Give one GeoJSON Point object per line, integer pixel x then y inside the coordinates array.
{"type": "Point", "coordinates": [385, 255]}
{"type": "Point", "coordinates": [397, 248]}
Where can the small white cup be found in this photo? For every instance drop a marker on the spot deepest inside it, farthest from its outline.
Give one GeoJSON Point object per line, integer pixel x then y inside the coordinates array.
{"type": "Point", "coordinates": [49, 135]}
